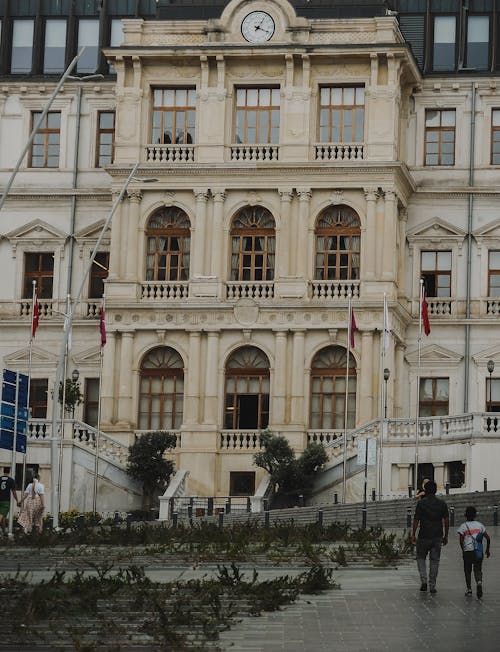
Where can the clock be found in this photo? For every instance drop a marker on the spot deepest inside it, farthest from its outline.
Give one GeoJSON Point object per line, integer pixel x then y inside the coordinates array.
{"type": "Point", "coordinates": [257, 27]}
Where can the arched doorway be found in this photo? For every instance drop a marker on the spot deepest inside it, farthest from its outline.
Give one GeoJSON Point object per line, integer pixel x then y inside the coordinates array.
{"type": "Point", "coordinates": [328, 390]}
{"type": "Point", "coordinates": [161, 392]}
{"type": "Point", "coordinates": [246, 403]}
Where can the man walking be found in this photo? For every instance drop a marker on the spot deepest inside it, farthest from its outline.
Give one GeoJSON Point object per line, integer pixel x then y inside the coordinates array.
{"type": "Point", "coordinates": [7, 486]}
{"type": "Point", "coordinates": [431, 514]}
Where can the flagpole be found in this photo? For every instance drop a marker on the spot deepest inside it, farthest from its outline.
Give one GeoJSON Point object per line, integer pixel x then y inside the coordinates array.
{"type": "Point", "coordinates": [63, 398]}
{"type": "Point", "coordinates": [98, 433]}
{"type": "Point", "coordinates": [344, 470]}
{"type": "Point", "coordinates": [382, 399]}
{"type": "Point", "coordinates": [30, 364]}
{"type": "Point", "coordinates": [417, 433]}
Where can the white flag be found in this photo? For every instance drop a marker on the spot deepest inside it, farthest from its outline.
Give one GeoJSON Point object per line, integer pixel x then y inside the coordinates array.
{"type": "Point", "coordinates": [387, 330]}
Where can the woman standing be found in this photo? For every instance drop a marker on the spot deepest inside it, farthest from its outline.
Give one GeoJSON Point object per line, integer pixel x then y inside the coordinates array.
{"type": "Point", "coordinates": [33, 503]}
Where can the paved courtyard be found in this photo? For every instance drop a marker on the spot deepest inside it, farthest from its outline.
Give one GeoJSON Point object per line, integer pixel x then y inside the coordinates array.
{"type": "Point", "coordinates": [384, 611]}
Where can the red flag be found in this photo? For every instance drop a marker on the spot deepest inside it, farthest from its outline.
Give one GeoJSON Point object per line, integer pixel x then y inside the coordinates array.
{"type": "Point", "coordinates": [102, 326]}
{"type": "Point", "coordinates": [35, 316]}
{"type": "Point", "coordinates": [425, 314]}
{"type": "Point", "coordinates": [353, 328]}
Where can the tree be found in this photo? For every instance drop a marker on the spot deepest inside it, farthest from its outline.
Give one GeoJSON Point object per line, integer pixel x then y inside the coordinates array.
{"type": "Point", "coordinates": [290, 476]}
{"type": "Point", "coordinates": [147, 464]}
{"type": "Point", "coordinates": [72, 395]}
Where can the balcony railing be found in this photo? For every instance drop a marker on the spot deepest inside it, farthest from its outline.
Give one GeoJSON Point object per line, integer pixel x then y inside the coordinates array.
{"type": "Point", "coordinates": [152, 291]}
{"type": "Point", "coordinates": [240, 440]}
{"type": "Point", "coordinates": [249, 290]}
{"type": "Point", "coordinates": [492, 306]}
{"type": "Point", "coordinates": [45, 307]}
{"type": "Point", "coordinates": [170, 153]}
{"type": "Point", "coordinates": [324, 290]}
{"type": "Point", "coordinates": [339, 151]}
{"type": "Point", "coordinates": [325, 437]}
{"type": "Point", "coordinates": [240, 152]}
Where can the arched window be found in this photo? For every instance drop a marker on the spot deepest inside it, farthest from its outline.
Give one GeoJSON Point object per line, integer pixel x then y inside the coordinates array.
{"type": "Point", "coordinates": [247, 390]}
{"type": "Point", "coordinates": [168, 245]}
{"type": "Point", "coordinates": [161, 390]}
{"type": "Point", "coordinates": [338, 235]}
{"type": "Point", "coordinates": [253, 244]}
{"type": "Point", "coordinates": [328, 389]}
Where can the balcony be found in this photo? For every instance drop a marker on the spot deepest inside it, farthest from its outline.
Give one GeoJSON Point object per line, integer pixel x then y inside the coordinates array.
{"type": "Point", "coordinates": [334, 290]}
{"type": "Point", "coordinates": [339, 151]}
{"type": "Point", "coordinates": [157, 291]}
{"type": "Point", "coordinates": [254, 153]}
{"type": "Point", "coordinates": [240, 440]}
{"type": "Point", "coordinates": [170, 153]}
{"type": "Point", "coordinates": [249, 290]}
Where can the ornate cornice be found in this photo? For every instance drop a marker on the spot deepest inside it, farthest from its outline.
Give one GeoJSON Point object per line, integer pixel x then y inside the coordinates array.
{"type": "Point", "coordinates": [57, 196]}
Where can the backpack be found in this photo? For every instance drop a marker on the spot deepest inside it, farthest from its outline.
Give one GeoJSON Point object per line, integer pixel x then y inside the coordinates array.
{"type": "Point", "coordinates": [478, 546]}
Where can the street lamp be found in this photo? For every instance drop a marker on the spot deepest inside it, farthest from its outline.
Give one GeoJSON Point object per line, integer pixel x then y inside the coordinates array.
{"type": "Point", "coordinates": [490, 366]}
{"type": "Point", "coordinates": [387, 374]}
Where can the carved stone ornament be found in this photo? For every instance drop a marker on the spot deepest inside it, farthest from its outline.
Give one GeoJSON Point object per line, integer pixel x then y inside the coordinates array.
{"type": "Point", "coordinates": [246, 312]}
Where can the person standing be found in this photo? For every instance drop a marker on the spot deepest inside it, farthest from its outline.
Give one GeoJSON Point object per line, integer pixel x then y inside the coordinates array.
{"type": "Point", "coordinates": [31, 515]}
{"type": "Point", "coordinates": [470, 533]}
{"type": "Point", "coordinates": [431, 514]}
{"type": "Point", "coordinates": [7, 487]}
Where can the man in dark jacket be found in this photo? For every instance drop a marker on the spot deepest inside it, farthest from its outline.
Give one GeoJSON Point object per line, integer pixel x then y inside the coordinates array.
{"type": "Point", "coordinates": [431, 514]}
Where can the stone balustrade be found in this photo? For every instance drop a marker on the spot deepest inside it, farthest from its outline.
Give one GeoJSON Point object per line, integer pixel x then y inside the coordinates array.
{"type": "Point", "coordinates": [243, 153]}
{"type": "Point", "coordinates": [332, 290]}
{"type": "Point", "coordinates": [339, 151]}
{"type": "Point", "coordinates": [249, 290]}
{"type": "Point", "coordinates": [152, 291]}
{"type": "Point", "coordinates": [170, 153]}
{"type": "Point", "coordinates": [240, 440]}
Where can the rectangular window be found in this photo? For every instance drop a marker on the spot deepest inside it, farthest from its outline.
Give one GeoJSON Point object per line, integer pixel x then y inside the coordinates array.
{"type": "Point", "coordinates": [495, 137]}
{"type": "Point", "coordinates": [444, 43]}
{"type": "Point", "coordinates": [436, 272]}
{"type": "Point", "coordinates": [342, 114]}
{"type": "Point", "coordinates": [38, 397]}
{"type": "Point", "coordinates": [98, 272]}
{"type": "Point", "coordinates": [174, 113]}
{"type": "Point", "coordinates": [22, 46]}
{"type": "Point", "coordinates": [116, 37]}
{"type": "Point", "coordinates": [91, 401]}
{"type": "Point", "coordinates": [241, 483]}
{"type": "Point", "coordinates": [55, 46]}
{"type": "Point", "coordinates": [88, 37]}
{"type": "Point", "coordinates": [494, 274]}
{"type": "Point", "coordinates": [434, 397]}
{"type": "Point", "coordinates": [440, 137]}
{"type": "Point", "coordinates": [257, 115]}
{"type": "Point", "coordinates": [105, 148]}
{"type": "Point", "coordinates": [478, 37]}
{"type": "Point", "coordinates": [38, 267]}
{"type": "Point", "coordinates": [45, 147]}
{"type": "Point", "coordinates": [493, 394]}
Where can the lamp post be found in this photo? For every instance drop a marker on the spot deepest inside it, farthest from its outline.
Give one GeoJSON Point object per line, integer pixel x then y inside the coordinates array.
{"type": "Point", "coordinates": [75, 375]}
{"type": "Point", "coordinates": [491, 367]}
{"type": "Point", "coordinates": [387, 373]}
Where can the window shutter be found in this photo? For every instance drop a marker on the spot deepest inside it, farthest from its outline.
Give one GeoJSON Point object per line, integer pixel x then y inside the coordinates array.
{"type": "Point", "coordinates": [412, 28]}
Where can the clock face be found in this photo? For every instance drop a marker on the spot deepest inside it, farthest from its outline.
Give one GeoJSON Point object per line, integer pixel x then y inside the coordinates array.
{"type": "Point", "coordinates": [257, 27]}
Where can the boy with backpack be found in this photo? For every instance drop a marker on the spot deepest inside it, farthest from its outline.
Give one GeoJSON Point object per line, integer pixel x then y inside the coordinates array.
{"type": "Point", "coordinates": [471, 535]}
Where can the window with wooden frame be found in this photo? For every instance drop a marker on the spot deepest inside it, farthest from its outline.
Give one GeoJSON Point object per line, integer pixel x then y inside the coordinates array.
{"type": "Point", "coordinates": [161, 393]}
{"type": "Point", "coordinates": [257, 115]}
{"type": "Point", "coordinates": [45, 148]}
{"type": "Point", "coordinates": [492, 395]}
{"type": "Point", "coordinates": [168, 238]}
{"type": "Point", "coordinates": [253, 245]}
{"type": "Point", "coordinates": [495, 137]}
{"type": "Point", "coordinates": [38, 398]}
{"type": "Point", "coordinates": [105, 147]}
{"type": "Point", "coordinates": [174, 116]}
{"type": "Point", "coordinates": [440, 137]}
{"type": "Point", "coordinates": [329, 379]}
{"type": "Point", "coordinates": [98, 273]}
{"type": "Point", "coordinates": [494, 273]}
{"type": "Point", "coordinates": [91, 401]}
{"type": "Point", "coordinates": [338, 235]}
{"type": "Point", "coordinates": [38, 267]}
{"type": "Point", "coordinates": [247, 390]}
{"type": "Point", "coordinates": [434, 397]}
{"type": "Point", "coordinates": [342, 114]}
{"type": "Point", "coordinates": [436, 273]}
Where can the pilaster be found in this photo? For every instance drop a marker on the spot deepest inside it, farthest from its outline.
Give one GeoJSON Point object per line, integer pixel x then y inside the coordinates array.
{"type": "Point", "coordinates": [365, 410]}
{"type": "Point", "coordinates": [125, 379]}
{"type": "Point", "coordinates": [211, 379]}
{"type": "Point", "coordinates": [297, 375]}
{"type": "Point", "coordinates": [108, 407]}
{"type": "Point", "coordinates": [134, 198]}
{"type": "Point", "coordinates": [192, 402]}
{"type": "Point", "coordinates": [280, 376]}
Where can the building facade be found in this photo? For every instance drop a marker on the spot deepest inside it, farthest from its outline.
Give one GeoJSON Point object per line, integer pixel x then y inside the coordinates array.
{"type": "Point", "coordinates": [306, 155]}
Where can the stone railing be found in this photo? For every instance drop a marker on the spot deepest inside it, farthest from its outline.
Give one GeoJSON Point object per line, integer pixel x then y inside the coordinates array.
{"type": "Point", "coordinates": [249, 290]}
{"type": "Point", "coordinates": [439, 307]}
{"type": "Point", "coordinates": [327, 290]}
{"type": "Point", "coordinates": [339, 151]}
{"type": "Point", "coordinates": [170, 153]}
{"type": "Point", "coordinates": [39, 430]}
{"type": "Point", "coordinates": [91, 308]}
{"type": "Point", "coordinates": [110, 448]}
{"type": "Point", "coordinates": [254, 152]}
{"type": "Point", "coordinates": [177, 488]}
{"type": "Point", "coordinates": [164, 291]}
{"type": "Point", "coordinates": [46, 307]}
{"type": "Point", "coordinates": [491, 306]}
{"type": "Point", "coordinates": [325, 437]}
{"type": "Point", "coordinates": [240, 440]}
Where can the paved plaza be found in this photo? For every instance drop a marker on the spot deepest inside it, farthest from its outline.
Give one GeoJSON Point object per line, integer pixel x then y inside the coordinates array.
{"type": "Point", "coordinates": [384, 611]}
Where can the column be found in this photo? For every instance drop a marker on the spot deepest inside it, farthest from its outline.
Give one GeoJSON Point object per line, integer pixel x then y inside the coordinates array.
{"type": "Point", "coordinates": [116, 237]}
{"type": "Point", "coordinates": [125, 378]}
{"type": "Point", "coordinates": [389, 243]}
{"type": "Point", "coordinates": [124, 217]}
{"type": "Point", "coordinates": [404, 476]}
{"type": "Point", "coordinates": [286, 229]}
{"type": "Point", "coordinates": [301, 237]}
{"type": "Point", "coordinates": [369, 243]}
{"type": "Point", "coordinates": [199, 233]}
{"type": "Point", "coordinates": [211, 378]}
{"type": "Point", "coordinates": [134, 197]}
{"type": "Point", "coordinates": [403, 223]}
{"type": "Point", "coordinates": [108, 406]}
{"type": "Point", "coordinates": [297, 375]}
{"type": "Point", "coordinates": [217, 234]}
{"type": "Point", "coordinates": [365, 379]}
{"type": "Point", "coordinates": [439, 475]}
{"type": "Point", "coordinates": [279, 382]}
{"type": "Point", "coordinates": [192, 402]}
{"type": "Point", "coordinates": [399, 383]}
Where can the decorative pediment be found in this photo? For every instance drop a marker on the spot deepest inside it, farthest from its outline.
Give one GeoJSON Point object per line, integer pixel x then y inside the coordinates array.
{"type": "Point", "coordinates": [34, 231]}
{"type": "Point", "coordinates": [491, 353]}
{"type": "Point", "coordinates": [19, 360]}
{"type": "Point", "coordinates": [488, 235]}
{"type": "Point", "coordinates": [91, 232]}
{"type": "Point", "coordinates": [89, 356]}
{"type": "Point", "coordinates": [434, 355]}
{"type": "Point", "coordinates": [436, 231]}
